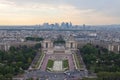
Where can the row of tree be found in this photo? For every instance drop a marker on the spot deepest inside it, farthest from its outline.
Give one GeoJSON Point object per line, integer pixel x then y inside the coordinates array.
{"type": "Point", "coordinates": [34, 39]}
{"type": "Point", "coordinates": [59, 40]}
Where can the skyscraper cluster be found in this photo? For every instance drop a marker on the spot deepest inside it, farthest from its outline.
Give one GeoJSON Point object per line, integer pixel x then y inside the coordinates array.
{"type": "Point", "coordinates": [63, 25]}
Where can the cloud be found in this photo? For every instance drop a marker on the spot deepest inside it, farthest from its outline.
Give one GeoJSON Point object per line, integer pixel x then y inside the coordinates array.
{"type": "Point", "coordinates": [77, 11]}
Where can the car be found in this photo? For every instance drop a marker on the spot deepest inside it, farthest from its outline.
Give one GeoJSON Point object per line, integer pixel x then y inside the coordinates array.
{"type": "Point", "coordinates": [67, 73]}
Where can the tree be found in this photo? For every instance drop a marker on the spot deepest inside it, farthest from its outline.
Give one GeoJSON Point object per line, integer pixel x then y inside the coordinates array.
{"type": "Point", "coordinates": [2, 77]}
{"type": "Point", "coordinates": [15, 60]}
{"type": "Point", "coordinates": [29, 60]}
{"type": "Point", "coordinates": [37, 46]}
{"type": "Point", "coordinates": [99, 59]}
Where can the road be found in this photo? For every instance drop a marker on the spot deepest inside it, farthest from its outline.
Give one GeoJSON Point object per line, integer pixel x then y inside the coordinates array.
{"type": "Point", "coordinates": [44, 75]}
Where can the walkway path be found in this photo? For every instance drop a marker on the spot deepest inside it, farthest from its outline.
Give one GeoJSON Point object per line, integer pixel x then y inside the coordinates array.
{"type": "Point", "coordinates": [44, 64]}
{"type": "Point", "coordinates": [71, 63]}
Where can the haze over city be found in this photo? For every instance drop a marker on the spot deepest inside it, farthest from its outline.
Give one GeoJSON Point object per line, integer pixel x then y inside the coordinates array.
{"type": "Point", "coordinates": [29, 12]}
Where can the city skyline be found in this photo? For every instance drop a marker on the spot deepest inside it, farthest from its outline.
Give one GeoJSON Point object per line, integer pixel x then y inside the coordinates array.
{"type": "Point", "coordinates": [29, 12]}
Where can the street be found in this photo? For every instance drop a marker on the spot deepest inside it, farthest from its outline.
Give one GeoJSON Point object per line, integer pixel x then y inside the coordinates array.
{"type": "Point", "coordinates": [43, 75]}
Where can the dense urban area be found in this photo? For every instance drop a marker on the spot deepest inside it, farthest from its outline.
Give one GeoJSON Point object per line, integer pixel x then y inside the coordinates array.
{"type": "Point", "coordinates": [96, 53]}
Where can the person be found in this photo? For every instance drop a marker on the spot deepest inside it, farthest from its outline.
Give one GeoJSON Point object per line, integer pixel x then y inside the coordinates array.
{"type": "Point", "coordinates": [55, 75]}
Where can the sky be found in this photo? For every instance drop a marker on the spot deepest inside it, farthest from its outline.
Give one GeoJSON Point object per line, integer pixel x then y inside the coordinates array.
{"type": "Point", "coordinates": [30, 12]}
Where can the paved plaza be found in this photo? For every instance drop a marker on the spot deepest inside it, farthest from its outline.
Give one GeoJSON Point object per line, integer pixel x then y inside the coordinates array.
{"type": "Point", "coordinates": [57, 66]}
{"type": "Point", "coordinates": [58, 56]}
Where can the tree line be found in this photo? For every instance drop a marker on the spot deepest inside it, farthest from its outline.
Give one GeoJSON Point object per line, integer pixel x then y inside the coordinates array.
{"type": "Point", "coordinates": [16, 60]}
{"type": "Point", "coordinates": [34, 38]}
{"type": "Point", "coordinates": [101, 61]}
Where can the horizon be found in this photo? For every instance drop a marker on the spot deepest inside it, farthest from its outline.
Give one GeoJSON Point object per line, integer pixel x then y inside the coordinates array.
{"type": "Point", "coordinates": [59, 24]}
{"type": "Point", "coordinates": [79, 12]}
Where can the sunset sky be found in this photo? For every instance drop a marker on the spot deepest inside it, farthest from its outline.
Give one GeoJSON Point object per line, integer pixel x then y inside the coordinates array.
{"type": "Point", "coordinates": [29, 12]}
